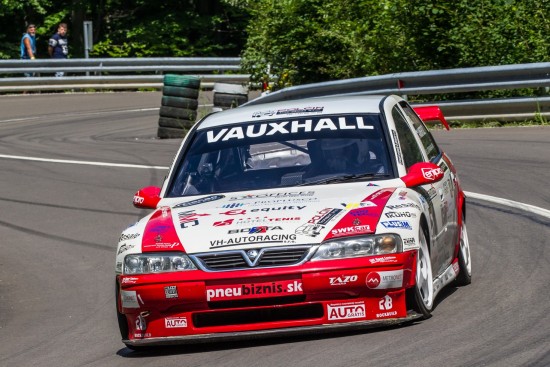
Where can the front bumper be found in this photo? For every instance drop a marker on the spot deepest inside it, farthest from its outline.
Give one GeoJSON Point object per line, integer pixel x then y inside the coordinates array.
{"type": "Point", "coordinates": [327, 296]}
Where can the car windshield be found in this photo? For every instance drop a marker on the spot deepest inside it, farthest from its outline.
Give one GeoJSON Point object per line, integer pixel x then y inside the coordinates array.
{"type": "Point", "coordinates": [281, 153]}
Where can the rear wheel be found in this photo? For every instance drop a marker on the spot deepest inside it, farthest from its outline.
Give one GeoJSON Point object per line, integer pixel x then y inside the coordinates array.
{"type": "Point", "coordinates": [464, 258]}
{"type": "Point", "coordinates": [421, 296]}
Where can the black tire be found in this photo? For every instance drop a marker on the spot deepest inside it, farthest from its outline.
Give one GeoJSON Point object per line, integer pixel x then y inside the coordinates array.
{"type": "Point", "coordinates": [464, 258]}
{"type": "Point", "coordinates": [175, 123]}
{"type": "Point", "coordinates": [182, 81]}
{"type": "Point", "coordinates": [420, 297]}
{"type": "Point", "coordinates": [178, 113]}
{"type": "Point", "coordinates": [171, 133]}
{"type": "Point", "coordinates": [169, 90]}
{"type": "Point", "coordinates": [229, 100]}
{"type": "Point", "coordinates": [122, 322]}
{"type": "Point", "coordinates": [180, 102]}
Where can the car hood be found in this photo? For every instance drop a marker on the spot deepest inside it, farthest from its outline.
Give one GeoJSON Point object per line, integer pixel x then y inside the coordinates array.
{"type": "Point", "coordinates": [244, 220]}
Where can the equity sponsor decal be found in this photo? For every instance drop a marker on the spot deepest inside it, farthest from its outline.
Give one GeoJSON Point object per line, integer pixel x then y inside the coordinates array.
{"type": "Point", "coordinates": [175, 322]}
{"type": "Point", "coordinates": [206, 199]}
{"type": "Point", "coordinates": [288, 127]}
{"type": "Point", "coordinates": [346, 311]}
{"type": "Point", "coordinates": [275, 195]}
{"type": "Point", "coordinates": [247, 240]}
{"type": "Point", "coordinates": [385, 279]}
{"type": "Point", "coordinates": [254, 290]}
{"type": "Point", "coordinates": [258, 210]}
{"type": "Point", "coordinates": [397, 224]}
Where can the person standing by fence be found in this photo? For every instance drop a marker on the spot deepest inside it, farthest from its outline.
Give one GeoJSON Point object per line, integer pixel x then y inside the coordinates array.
{"type": "Point", "coordinates": [28, 45]}
{"type": "Point", "coordinates": [58, 46]}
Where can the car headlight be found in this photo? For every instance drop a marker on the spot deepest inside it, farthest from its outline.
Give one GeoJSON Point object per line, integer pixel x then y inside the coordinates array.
{"type": "Point", "coordinates": [156, 263]}
{"type": "Point", "coordinates": [359, 246]}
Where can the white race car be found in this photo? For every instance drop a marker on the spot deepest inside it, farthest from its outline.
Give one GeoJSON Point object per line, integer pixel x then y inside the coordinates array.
{"type": "Point", "coordinates": [293, 217]}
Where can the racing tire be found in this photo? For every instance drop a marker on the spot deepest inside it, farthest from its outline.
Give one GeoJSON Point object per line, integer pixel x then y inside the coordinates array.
{"type": "Point", "coordinates": [178, 113]}
{"type": "Point", "coordinates": [182, 81]}
{"type": "Point", "coordinates": [464, 258]}
{"type": "Point", "coordinates": [169, 90]}
{"type": "Point", "coordinates": [229, 100]}
{"type": "Point", "coordinates": [171, 133]}
{"type": "Point", "coordinates": [421, 296]}
{"type": "Point", "coordinates": [175, 123]}
{"type": "Point", "coordinates": [180, 102]}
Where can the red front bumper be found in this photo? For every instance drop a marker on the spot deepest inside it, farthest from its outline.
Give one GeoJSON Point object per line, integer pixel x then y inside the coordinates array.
{"type": "Point", "coordinates": [196, 305]}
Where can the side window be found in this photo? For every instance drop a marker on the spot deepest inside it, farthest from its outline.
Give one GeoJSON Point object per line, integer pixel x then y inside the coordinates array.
{"type": "Point", "coordinates": [432, 150]}
{"type": "Point", "coordinates": [409, 146]}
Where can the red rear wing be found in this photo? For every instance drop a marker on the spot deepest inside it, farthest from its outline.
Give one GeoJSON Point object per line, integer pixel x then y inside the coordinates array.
{"type": "Point", "coordinates": [431, 113]}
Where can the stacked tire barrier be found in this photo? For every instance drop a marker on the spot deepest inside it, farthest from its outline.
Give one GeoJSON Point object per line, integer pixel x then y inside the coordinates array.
{"type": "Point", "coordinates": [179, 105]}
{"type": "Point", "coordinates": [229, 96]}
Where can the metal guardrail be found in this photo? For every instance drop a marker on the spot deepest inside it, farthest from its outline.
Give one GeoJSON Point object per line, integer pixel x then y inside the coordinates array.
{"type": "Point", "coordinates": [135, 73]}
{"type": "Point", "coordinates": [138, 72]}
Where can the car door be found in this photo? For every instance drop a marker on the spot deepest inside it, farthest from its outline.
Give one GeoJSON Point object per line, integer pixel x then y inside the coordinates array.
{"type": "Point", "coordinates": [417, 145]}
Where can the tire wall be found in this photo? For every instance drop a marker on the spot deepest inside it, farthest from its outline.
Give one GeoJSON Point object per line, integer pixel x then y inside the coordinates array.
{"type": "Point", "coordinates": [178, 111]}
{"type": "Point", "coordinates": [229, 96]}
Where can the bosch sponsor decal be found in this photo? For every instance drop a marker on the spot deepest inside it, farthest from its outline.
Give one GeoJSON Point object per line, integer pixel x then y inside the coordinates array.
{"type": "Point", "coordinates": [175, 322]}
{"type": "Point", "coordinates": [385, 279]}
{"type": "Point", "coordinates": [258, 229]}
{"type": "Point", "coordinates": [397, 147]}
{"type": "Point", "coordinates": [129, 236]}
{"type": "Point", "coordinates": [386, 306]}
{"type": "Point", "coordinates": [171, 291]}
{"type": "Point", "coordinates": [345, 231]}
{"type": "Point", "coordinates": [288, 111]}
{"type": "Point", "coordinates": [432, 174]}
{"type": "Point", "coordinates": [343, 280]}
{"type": "Point", "coordinates": [248, 240]}
{"type": "Point", "coordinates": [401, 224]}
{"type": "Point", "coordinates": [400, 215]}
{"type": "Point", "coordinates": [189, 218]}
{"type": "Point", "coordinates": [199, 201]}
{"type": "Point", "coordinates": [129, 299]}
{"type": "Point", "coordinates": [254, 290]}
{"type": "Point", "coordinates": [287, 127]}
{"type": "Point", "coordinates": [346, 311]}
{"type": "Point", "coordinates": [275, 195]}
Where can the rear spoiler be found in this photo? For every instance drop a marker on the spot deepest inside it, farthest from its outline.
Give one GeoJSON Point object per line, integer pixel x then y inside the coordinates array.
{"type": "Point", "coordinates": [431, 113]}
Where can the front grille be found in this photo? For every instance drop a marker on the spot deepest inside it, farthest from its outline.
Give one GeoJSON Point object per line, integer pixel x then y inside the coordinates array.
{"type": "Point", "coordinates": [258, 315]}
{"type": "Point", "coordinates": [241, 259]}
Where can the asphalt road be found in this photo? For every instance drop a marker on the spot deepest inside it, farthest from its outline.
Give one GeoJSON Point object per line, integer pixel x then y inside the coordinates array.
{"type": "Point", "coordinates": [59, 224]}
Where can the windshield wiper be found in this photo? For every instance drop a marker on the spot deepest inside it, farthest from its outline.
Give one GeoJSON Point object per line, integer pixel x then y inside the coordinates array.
{"type": "Point", "coordinates": [344, 178]}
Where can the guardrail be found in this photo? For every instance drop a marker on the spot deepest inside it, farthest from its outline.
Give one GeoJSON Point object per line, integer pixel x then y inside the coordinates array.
{"type": "Point", "coordinates": [139, 72]}
{"type": "Point", "coordinates": [106, 73]}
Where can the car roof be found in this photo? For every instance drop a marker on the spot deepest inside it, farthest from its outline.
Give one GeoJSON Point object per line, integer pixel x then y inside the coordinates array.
{"type": "Point", "coordinates": [299, 107]}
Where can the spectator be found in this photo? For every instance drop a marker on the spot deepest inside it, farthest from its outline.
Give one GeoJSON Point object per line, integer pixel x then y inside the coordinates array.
{"type": "Point", "coordinates": [28, 45]}
{"type": "Point", "coordinates": [58, 47]}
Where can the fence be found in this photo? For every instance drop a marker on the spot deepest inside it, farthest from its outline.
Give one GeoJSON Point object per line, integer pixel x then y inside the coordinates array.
{"type": "Point", "coordinates": [134, 73]}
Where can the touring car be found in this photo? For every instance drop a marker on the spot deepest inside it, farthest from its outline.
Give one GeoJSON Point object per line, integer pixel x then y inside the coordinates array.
{"type": "Point", "coordinates": [291, 217]}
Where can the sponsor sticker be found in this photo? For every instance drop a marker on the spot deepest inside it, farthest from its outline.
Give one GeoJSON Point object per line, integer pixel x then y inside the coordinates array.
{"type": "Point", "coordinates": [351, 230]}
{"type": "Point", "coordinates": [171, 291]}
{"type": "Point", "coordinates": [246, 240]}
{"type": "Point", "coordinates": [432, 173]}
{"type": "Point", "coordinates": [199, 201]}
{"type": "Point", "coordinates": [129, 299]}
{"type": "Point", "coordinates": [277, 195]}
{"type": "Point", "coordinates": [385, 279]}
{"type": "Point", "coordinates": [343, 280]}
{"type": "Point", "coordinates": [397, 224]}
{"type": "Point", "coordinates": [129, 236]}
{"type": "Point", "coordinates": [254, 290]}
{"type": "Point", "coordinates": [346, 311]}
{"type": "Point", "coordinates": [175, 322]}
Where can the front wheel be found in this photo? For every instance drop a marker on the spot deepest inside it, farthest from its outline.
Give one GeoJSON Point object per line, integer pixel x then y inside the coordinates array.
{"type": "Point", "coordinates": [464, 258]}
{"type": "Point", "coordinates": [421, 296]}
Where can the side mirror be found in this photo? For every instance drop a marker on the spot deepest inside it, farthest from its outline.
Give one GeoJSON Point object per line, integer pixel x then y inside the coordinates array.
{"type": "Point", "coordinates": [147, 198]}
{"type": "Point", "coordinates": [423, 173]}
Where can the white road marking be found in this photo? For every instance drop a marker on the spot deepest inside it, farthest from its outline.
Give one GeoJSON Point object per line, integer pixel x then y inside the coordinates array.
{"type": "Point", "coordinates": [105, 164]}
{"type": "Point", "coordinates": [513, 204]}
{"type": "Point", "coordinates": [493, 199]}
{"type": "Point", "coordinates": [91, 113]}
